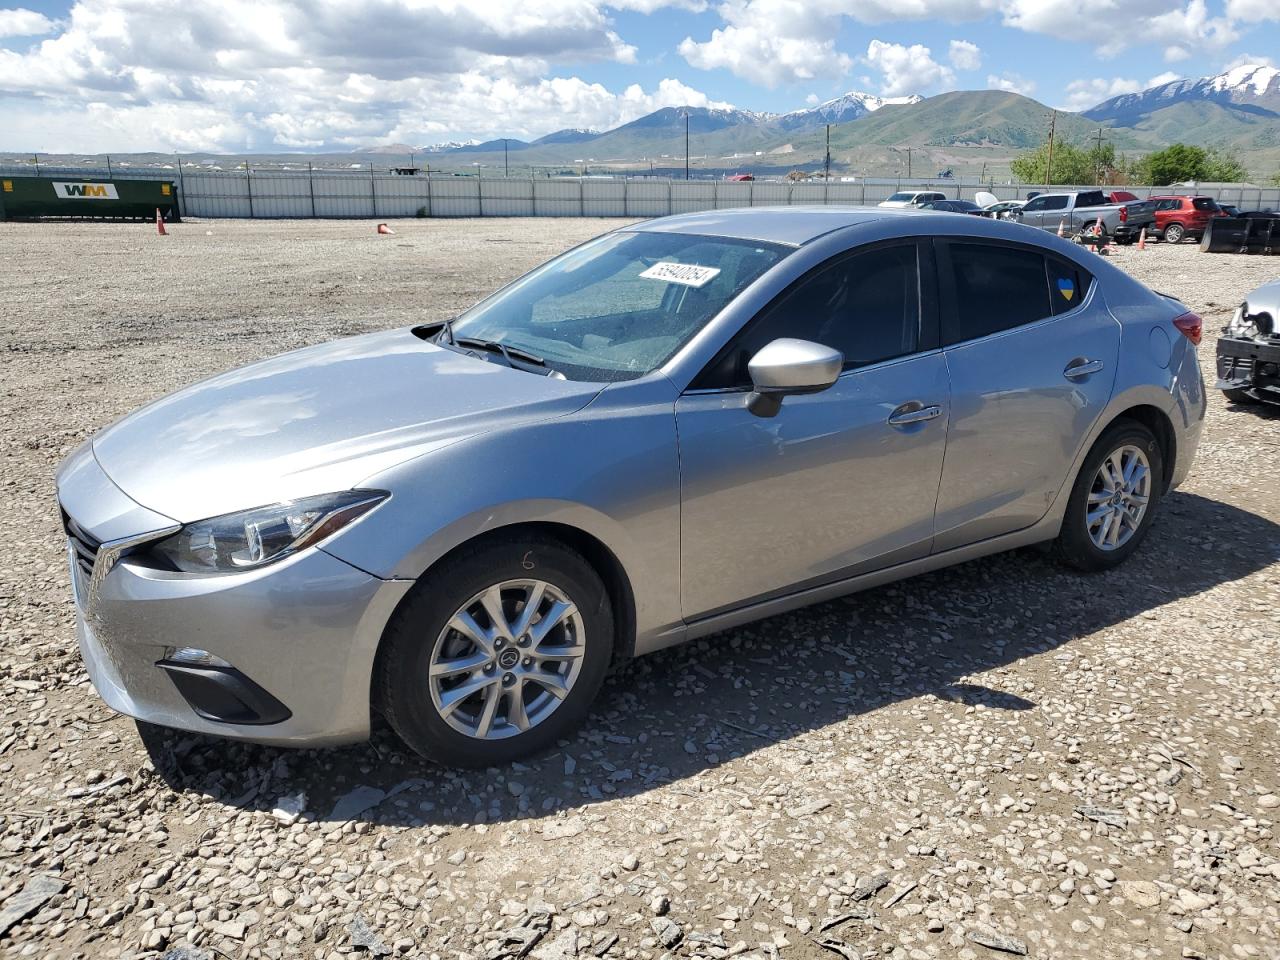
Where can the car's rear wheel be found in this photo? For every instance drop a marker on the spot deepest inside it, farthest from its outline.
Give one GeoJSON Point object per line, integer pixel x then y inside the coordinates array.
{"type": "Point", "coordinates": [1114, 498]}
{"type": "Point", "coordinates": [1174, 233]}
{"type": "Point", "coordinates": [497, 653]}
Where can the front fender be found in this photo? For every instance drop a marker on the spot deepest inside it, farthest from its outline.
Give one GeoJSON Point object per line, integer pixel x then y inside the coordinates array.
{"type": "Point", "coordinates": [610, 470]}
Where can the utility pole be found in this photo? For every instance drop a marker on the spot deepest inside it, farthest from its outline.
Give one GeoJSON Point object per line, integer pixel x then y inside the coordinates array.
{"type": "Point", "coordinates": [1097, 159]}
{"type": "Point", "coordinates": [686, 144]}
{"type": "Point", "coordinates": [1048, 167]}
{"type": "Point", "coordinates": [827, 163]}
{"type": "Point", "coordinates": [908, 163]}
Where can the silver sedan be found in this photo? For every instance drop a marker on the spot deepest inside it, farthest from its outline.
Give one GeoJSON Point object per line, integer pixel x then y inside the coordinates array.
{"type": "Point", "coordinates": [675, 428]}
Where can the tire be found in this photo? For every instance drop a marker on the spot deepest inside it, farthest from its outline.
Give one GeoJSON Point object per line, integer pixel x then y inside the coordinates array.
{"type": "Point", "coordinates": [422, 634]}
{"type": "Point", "coordinates": [1243, 397]}
{"type": "Point", "coordinates": [1093, 228]}
{"type": "Point", "coordinates": [1076, 545]}
{"type": "Point", "coordinates": [1174, 233]}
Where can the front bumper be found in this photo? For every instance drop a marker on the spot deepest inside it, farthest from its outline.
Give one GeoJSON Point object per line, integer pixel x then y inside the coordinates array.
{"type": "Point", "coordinates": [1250, 365]}
{"type": "Point", "coordinates": [304, 630]}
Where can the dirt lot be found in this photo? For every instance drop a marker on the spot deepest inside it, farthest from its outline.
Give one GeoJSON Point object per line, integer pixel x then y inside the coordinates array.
{"type": "Point", "coordinates": [1005, 756]}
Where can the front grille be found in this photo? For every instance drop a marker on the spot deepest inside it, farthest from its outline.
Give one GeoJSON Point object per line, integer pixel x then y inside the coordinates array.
{"type": "Point", "coordinates": [84, 545]}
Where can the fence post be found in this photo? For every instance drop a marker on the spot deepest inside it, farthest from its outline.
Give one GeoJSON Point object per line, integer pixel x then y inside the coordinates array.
{"type": "Point", "coordinates": [430, 212]}
{"type": "Point", "coordinates": [715, 194]}
{"type": "Point", "coordinates": [311, 188]}
{"type": "Point", "coordinates": [182, 191]}
{"type": "Point", "coordinates": [582, 200]}
{"type": "Point", "coordinates": [373, 192]}
{"type": "Point", "coordinates": [751, 193]}
{"type": "Point", "coordinates": [533, 192]}
{"type": "Point", "coordinates": [862, 193]}
{"type": "Point", "coordinates": [671, 206]}
{"type": "Point", "coordinates": [626, 197]}
{"type": "Point", "coordinates": [248, 180]}
{"type": "Point", "coordinates": [480, 192]}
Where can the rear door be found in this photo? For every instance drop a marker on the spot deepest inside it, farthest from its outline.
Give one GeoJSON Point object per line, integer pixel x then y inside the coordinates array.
{"type": "Point", "coordinates": [1031, 352]}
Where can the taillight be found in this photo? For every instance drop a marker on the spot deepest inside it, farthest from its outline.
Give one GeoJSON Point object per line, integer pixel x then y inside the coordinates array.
{"type": "Point", "coordinates": [1124, 214]}
{"type": "Point", "coordinates": [1191, 325]}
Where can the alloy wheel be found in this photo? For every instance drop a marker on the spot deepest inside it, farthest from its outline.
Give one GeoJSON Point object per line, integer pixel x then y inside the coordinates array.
{"type": "Point", "coordinates": [507, 659]}
{"type": "Point", "coordinates": [1119, 498]}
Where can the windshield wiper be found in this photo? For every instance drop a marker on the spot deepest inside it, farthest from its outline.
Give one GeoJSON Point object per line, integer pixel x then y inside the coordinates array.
{"type": "Point", "coordinates": [498, 346]}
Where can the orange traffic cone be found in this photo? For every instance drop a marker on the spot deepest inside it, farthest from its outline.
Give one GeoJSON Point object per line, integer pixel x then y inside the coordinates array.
{"type": "Point", "coordinates": [1142, 239]}
{"type": "Point", "coordinates": [1062, 227]}
{"type": "Point", "coordinates": [383, 228]}
{"type": "Point", "coordinates": [160, 224]}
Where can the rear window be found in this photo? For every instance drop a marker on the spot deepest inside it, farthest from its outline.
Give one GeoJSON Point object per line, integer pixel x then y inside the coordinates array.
{"type": "Point", "coordinates": [996, 288]}
{"type": "Point", "coordinates": [1067, 284]}
{"type": "Point", "coordinates": [1205, 203]}
{"type": "Point", "coordinates": [1091, 198]}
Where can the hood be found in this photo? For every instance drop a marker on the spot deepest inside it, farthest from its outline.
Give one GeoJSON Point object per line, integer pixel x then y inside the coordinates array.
{"type": "Point", "coordinates": [317, 420]}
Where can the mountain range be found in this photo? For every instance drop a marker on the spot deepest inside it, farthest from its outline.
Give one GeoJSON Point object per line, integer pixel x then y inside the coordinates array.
{"type": "Point", "coordinates": [1238, 109]}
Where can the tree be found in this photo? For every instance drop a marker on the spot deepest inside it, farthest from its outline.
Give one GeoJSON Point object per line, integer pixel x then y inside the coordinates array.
{"type": "Point", "coordinates": [1225, 167]}
{"type": "Point", "coordinates": [1070, 164]}
{"type": "Point", "coordinates": [1175, 163]}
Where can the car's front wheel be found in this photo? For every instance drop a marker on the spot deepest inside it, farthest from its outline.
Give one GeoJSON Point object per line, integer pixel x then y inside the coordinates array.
{"type": "Point", "coordinates": [496, 653]}
{"type": "Point", "coordinates": [1114, 498]}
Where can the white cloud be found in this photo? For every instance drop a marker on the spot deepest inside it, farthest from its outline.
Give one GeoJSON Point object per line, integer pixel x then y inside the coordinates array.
{"type": "Point", "coordinates": [1011, 83]}
{"type": "Point", "coordinates": [964, 55]}
{"type": "Point", "coordinates": [771, 42]}
{"type": "Point", "coordinates": [905, 69]}
{"type": "Point", "coordinates": [1252, 11]}
{"type": "Point", "coordinates": [256, 74]}
{"type": "Point", "coordinates": [1249, 60]}
{"type": "Point", "coordinates": [1083, 94]}
{"type": "Point", "coordinates": [20, 22]}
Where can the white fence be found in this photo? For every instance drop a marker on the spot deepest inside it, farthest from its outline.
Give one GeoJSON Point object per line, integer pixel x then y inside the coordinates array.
{"type": "Point", "coordinates": [263, 194]}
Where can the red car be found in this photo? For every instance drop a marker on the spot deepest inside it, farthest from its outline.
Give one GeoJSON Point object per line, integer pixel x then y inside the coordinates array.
{"type": "Point", "coordinates": [1178, 217]}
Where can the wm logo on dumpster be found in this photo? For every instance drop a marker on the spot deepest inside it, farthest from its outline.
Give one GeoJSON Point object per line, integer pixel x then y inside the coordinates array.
{"type": "Point", "coordinates": [86, 191]}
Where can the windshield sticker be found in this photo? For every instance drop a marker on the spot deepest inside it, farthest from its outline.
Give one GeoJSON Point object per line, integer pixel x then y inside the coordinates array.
{"type": "Point", "coordinates": [689, 274]}
{"type": "Point", "coordinates": [1067, 288]}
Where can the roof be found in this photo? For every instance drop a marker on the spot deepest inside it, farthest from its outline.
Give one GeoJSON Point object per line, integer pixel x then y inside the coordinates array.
{"type": "Point", "coordinates": [783, 224]}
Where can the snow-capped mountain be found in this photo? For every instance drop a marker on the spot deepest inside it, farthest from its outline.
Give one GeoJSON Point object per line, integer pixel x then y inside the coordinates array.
{"type": "Point", "coordinates": [449, 145]}
{"type": "Point", "coordinates": [1252, 87]}
{"type": "Point", "coordinates": [842, 109]}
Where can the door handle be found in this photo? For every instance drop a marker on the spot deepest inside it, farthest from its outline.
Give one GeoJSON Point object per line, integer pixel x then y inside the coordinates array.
{"type": "Point", "coordinates": [913, 412]}
{"type": "Point", "coordinates": [1082, 368]}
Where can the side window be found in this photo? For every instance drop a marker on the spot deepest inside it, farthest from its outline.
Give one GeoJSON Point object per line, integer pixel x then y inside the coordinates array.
{"type": "Point", "coordinates": [996, 288]}
{"type": "Point", "coordinates": [1067, 284]}
{"type": "Point", "coordinates": [1056, 203]}
{"type": "Point", "coordinates": [1031, 206]}
{"type": "Point", "coordinates": [866, 305]}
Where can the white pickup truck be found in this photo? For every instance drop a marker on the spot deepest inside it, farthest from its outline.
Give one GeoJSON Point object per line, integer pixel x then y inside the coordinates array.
{"type": "Point", "coordinates": [1088, 211]}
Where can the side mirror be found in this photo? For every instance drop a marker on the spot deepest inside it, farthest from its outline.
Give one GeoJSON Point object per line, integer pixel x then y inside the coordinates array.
{"type": "Point", "coordinates": [786, 366]}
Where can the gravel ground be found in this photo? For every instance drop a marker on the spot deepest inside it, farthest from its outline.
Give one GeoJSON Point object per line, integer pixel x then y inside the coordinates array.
{"type": "Point", "coordinates": [1004, 757]}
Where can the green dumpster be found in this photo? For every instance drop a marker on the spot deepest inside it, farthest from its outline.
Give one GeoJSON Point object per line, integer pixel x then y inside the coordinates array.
{"type": "Point", "coordinates": [90, 197]}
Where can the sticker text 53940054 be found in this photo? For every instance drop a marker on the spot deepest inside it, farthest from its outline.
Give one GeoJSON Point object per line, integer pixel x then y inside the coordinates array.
{"type": "Point", "coordinates": [689, 274]}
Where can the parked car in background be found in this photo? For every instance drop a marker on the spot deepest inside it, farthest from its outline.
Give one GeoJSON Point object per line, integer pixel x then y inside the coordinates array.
{"type": "Point", "coordinates": [953, 206]}
{"type": "Point", "coordinates": [1003, 210]}
{"type": "Point", "coordinates": [1087, 211]}
{"type": "Point", "coordinates": [1180, 217]}
{"type": "Point", "coordinates": [1249, 349]}
{"type": "Point", "coordinates": [740, 178]}
{"type": "Point", "coordinates": [683, 425]}
{"type": "Point", "coordinates": [1121, 196]}
{"type": "Point", "coordinates": [911, 198]}
{"type": "Point", "coordinates": [1230, 209]}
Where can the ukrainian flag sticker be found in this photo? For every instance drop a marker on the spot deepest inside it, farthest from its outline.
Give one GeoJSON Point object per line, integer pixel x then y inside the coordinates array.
{"type": "Point", "coordinates": [1066, 287]}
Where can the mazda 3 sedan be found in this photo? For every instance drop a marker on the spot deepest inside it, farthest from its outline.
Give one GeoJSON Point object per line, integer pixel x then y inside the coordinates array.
{"type": "Point", "coordinates": [675, 428]}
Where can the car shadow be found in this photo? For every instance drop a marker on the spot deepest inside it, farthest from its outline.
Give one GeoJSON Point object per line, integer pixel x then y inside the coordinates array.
{"type": "Point", "coordinates": [680, 713]}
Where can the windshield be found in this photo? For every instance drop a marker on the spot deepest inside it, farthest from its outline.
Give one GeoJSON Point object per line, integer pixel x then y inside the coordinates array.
{"type": "Point", "coordinates": [619, 306]}
{"type": "Point", "coordinates": [902, 196]}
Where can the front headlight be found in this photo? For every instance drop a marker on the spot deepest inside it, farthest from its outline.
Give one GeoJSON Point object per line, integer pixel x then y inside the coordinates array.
{"type": "Point", "coordinates": [242, 541]}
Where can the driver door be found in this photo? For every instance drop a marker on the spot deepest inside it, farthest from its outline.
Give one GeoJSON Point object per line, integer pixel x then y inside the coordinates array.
{"type": "Point", "coordinates": [839, 482]}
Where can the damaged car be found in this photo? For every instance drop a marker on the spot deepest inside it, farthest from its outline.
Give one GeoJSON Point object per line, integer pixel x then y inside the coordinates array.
{"type": "Point", "coordinates": [1249, 349]}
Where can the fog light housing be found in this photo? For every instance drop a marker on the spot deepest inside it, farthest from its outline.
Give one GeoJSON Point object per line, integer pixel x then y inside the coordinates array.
{"type": "Point", "coordinates": [193, 657]}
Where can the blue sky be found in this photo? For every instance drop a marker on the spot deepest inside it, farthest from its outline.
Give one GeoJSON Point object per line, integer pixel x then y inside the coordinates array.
{"type": "Point", "coordinates": [101, 75]}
